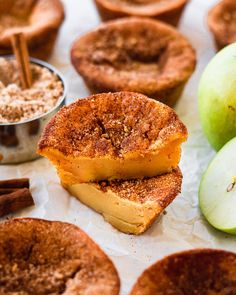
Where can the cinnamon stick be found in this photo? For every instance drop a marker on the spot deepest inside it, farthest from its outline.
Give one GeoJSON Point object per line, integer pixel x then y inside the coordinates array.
{"type": "Point", "coordinates": [15, 183]}
{"type": "Point", "coordinates": [4, 191]}
{"type": "Point", "coordinates": [15, 201]}
{"type": "Point", "coordinates": [21, 53]}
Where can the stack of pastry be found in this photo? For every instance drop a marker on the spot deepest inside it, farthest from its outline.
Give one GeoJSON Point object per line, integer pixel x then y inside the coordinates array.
{"type": "Point", "coordinates": [118, 153]}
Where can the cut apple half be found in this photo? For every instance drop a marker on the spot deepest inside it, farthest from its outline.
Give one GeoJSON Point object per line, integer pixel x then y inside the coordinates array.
{"type": "Point", "coordinates": [217, 193]}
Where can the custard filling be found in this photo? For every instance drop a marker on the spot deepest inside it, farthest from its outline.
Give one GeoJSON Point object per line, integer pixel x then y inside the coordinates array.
{"type": "Point", "coordinates": [74, 170]}
{"type": "Point", "coordinates": [125, 215]}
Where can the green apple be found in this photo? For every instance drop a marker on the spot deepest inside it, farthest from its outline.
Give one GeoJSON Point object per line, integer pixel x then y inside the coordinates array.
{"type": "Point", "coordinates": [217, 98]}
{"type": "Point", "coordinates": [217, 192]}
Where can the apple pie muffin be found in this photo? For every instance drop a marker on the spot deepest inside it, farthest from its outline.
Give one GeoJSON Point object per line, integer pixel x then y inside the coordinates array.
{"type": "Point", "coordinates": [222, 23]}
{"type": "Point", "coordinates": [168, 11]}
{"type": "Point", "coordinates": [199, 272]}
{"type": "Point", "coordinates": [135, 54]}
{"type": "Point", "coordinates": [118, 153]}
{"type": "Point", "coordinates": [39, 20]}
{"type": "Point", "coordinates": [107, 136]}
{"type": "Point", "coordinates": [49, 257]}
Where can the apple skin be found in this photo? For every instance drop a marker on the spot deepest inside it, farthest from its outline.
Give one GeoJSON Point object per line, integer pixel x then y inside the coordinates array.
{"type": "Point", "coordinates": [217, 98]}
{"type": "Point", "coordinates": [217, 200]}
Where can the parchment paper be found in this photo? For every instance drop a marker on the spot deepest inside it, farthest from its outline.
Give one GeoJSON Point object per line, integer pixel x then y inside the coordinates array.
{"type": "Point", "coordinates": [183, 227]}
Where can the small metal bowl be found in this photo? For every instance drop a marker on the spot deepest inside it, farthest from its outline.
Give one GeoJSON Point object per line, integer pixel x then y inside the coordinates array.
{"type": "Point", "coordinates": [18, 141]}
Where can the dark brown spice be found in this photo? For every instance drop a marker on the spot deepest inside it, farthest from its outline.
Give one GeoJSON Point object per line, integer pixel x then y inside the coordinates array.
{"type": "Point", "coordinates": [15, 183]}
{"type": "Point", "coordinates": [19, 199]}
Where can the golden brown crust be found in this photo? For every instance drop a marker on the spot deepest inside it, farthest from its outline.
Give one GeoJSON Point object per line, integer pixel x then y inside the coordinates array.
{"type": "Point", "coordinates": [43, 257]}
{"type": "Point", "coordinates": [222, 22]}
{"type": "Point", "coordinates": [112, 124]}
{"type": "Point", "coordinates": [115, 57]}
{"type": "Point", "coordinates": [160, 189]}
{"type": "Point", "coordinates": [200, 272]}
{"type": "Point", "coordinates": [40, 35]}
{"type": "Point", "coordinates": [164, 10]}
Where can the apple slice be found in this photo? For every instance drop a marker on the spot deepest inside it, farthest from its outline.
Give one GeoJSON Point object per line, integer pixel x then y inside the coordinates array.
{"type": "Point", "coordinates": [217, 192]}
{"type": "Point", "coordinates": [217, 98]}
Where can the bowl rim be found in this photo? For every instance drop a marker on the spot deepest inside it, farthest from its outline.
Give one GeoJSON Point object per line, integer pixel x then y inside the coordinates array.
{"type": "Point", "coordinates": [47, 65]}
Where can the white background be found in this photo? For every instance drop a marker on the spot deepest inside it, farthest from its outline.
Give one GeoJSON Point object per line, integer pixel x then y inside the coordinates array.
{"type": "Point", "coordinates": [183, 227]}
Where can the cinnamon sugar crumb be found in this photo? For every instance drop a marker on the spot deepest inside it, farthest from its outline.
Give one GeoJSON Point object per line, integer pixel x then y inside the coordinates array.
{"type": "Point", "coordinates": [161, 189]}
{"type": "Point", "coordinates": [43, 257]}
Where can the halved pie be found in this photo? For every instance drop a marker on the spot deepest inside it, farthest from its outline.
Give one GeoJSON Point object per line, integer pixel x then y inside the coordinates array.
{"type": "Point", "coordinates": [131, 206]}
{"type": "Point", "coordinates": [109, 136]}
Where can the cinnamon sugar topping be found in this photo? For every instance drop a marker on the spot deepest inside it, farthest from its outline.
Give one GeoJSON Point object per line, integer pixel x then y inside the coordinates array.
{"type": "Point", "coordinates": [200, 271]}
{"type": "Point", "coordinates": [42, 257]}
{"type": "Point", "coordinates": [112, 124]}
{"type": "Point", "coordinates": [161, 189]}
